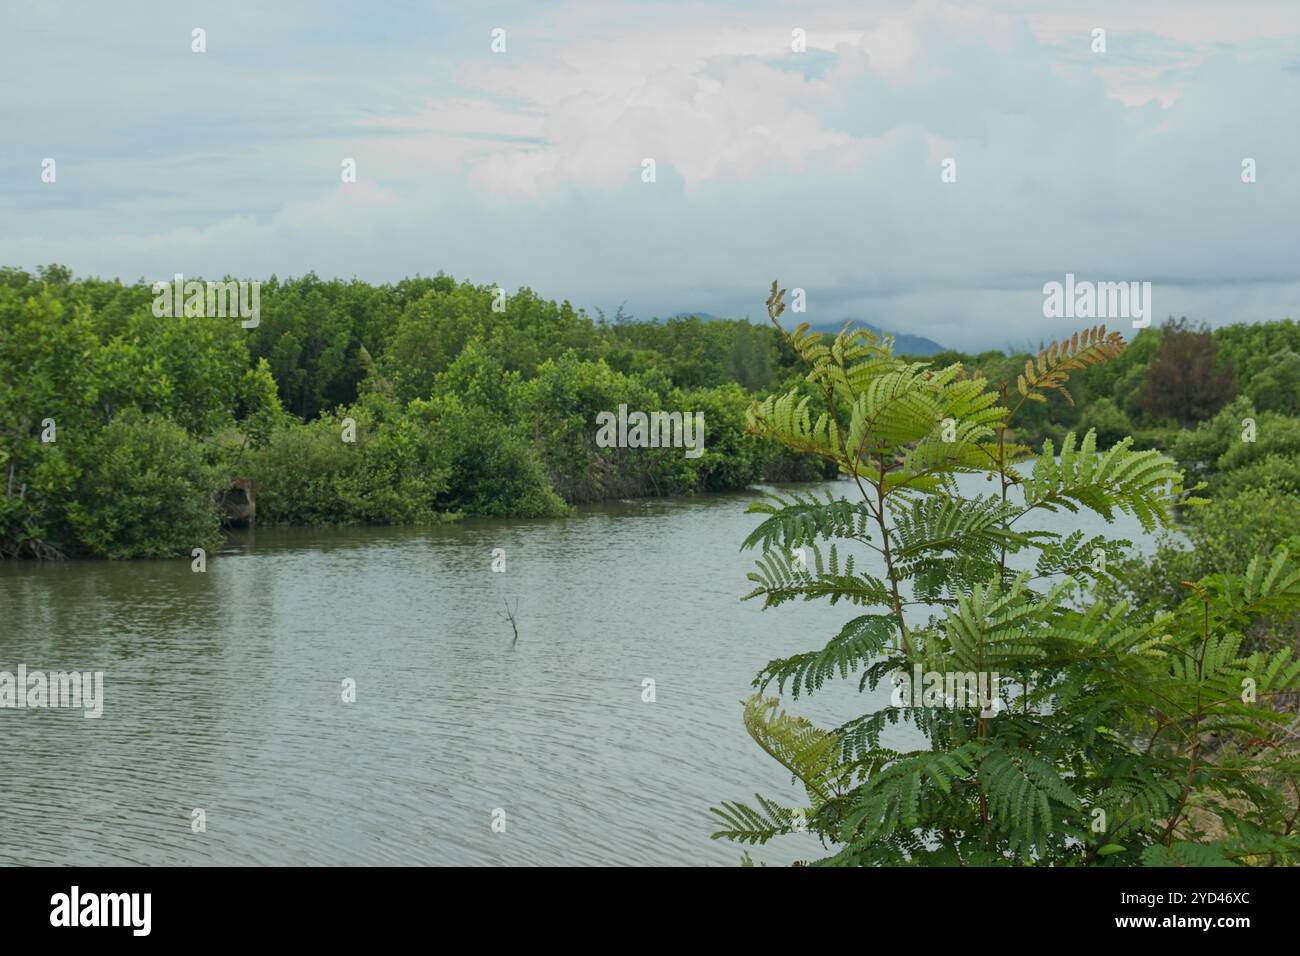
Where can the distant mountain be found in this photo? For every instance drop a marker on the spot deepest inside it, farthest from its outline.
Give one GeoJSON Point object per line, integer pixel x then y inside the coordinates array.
{"type": "Point", "coordinates": [903, 344]}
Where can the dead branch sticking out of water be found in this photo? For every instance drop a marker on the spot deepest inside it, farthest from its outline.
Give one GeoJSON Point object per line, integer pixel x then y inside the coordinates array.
{"type": "Point", "coordinates": [510, 616]}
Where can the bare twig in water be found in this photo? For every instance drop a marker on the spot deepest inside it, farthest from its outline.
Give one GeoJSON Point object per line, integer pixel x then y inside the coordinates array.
{"type": "Point", "coordinates": [510, 616]}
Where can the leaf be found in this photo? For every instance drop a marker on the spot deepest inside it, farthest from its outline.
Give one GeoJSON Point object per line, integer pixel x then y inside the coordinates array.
{"type": "Point", "coordinates": [858, 642]}
{"type": "Point", "coordinates": [1055, 362]}
{"type": "Point", "coordinates": [1185, 854]}
{"type": "Point", "coordinates": [807, 751]}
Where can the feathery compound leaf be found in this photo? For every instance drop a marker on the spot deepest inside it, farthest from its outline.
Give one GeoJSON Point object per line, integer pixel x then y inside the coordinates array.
{"type": "Point", "coordinates": [1027, 792]}
{"type": "Point", "coordinates": [782, 577]}
{"type": "Point", "coordinates": [1076, 557]}
{"type": "Point", "coordinates": [1144, 484]}
{"type": "Point", "coordinates": [775, 307]}
{"type": "Point", "coordinates": [747, 825]}
{"type": "Point", "coordinates": [802, 519]}
{"type": "Point", "coordinates": [946, 524]}
{"type": "Point", "coordinates": [808, 752]}
{"type": "Point", "coordinates": [786, 420]}
{"type": "Point", "coordinates": [859, 642]}
{"type": "Point", "coordinates": [1055, 362]}
{"type": "Point", "coordinates": [896, 794]}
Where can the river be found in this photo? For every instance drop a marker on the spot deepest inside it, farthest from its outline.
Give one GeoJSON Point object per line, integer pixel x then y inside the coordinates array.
{"type": "Point", "coordinates": [223, 692]}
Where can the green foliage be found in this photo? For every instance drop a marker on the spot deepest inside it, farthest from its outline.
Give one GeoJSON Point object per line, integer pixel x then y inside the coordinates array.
{"type": "Point", "coordinates": [1104, 418]}
{"type": "Point", "coordinates": [469, 402]}
{"type": "Point", "coordinates": [1115, 734]}
{"type": "Point", "coordinates": [860, 641]}
{"type": "Point", "coordinates": [144, 489]}
{"type": "Point", "coordinates": [496, 473]}
{"type": "Point", "coordinates": [311, 333]}
{"type": "Point", "coordinates": [532, 377]}
{"type": "Point", "coordinates": [83, 355]}
{"type": "Point", "coordinates": [731, 458]}
{"type": "Point", "coordinates": [394, 472]}
{"type": "Point", "coordinates": [1148, 387]}
{"type": "Point", "coordinates": [1254, 348]}
{"type": "Point", "coordinates": [558, 411]}
{"type": "Point", "coordinates": [1143, 484]}
{"type": "Point", "coordinates": [1273, 471]}
{"type": "Point", "coordinates": [1277, 387]}
{"type": "Point", "coordinates": [1221, 537]}
{"type": "Point", "coordinates": [47, 357]}
{"type": "Point", "coordinates": [259, 404]}
{"type": "Point", "coordinates": [697, 353]}
{"type": "Point", "coordinates": [1218, 450]}
{"type": "Point", "coordinates": [202, 362]}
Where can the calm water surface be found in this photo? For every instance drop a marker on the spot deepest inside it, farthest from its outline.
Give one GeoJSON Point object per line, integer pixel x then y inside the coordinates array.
{"type": "Point", "coordinates": [223, 692]}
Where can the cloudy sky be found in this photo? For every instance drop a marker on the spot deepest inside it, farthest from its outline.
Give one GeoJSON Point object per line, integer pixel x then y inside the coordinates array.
{"type": "Point", "coordinates": [524, 167]}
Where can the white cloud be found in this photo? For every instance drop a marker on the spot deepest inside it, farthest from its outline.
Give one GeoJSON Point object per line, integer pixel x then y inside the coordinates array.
{"type": "Point", "coordinates": [821, 168]}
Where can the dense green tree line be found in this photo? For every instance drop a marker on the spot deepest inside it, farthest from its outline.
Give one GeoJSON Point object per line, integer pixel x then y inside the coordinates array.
{"type": "Point", "coordinates": [1168, 379]}
{"type": "Point", "coordinates": [118, 428]}
{"type": "Point", "coordinates": [460, 408]}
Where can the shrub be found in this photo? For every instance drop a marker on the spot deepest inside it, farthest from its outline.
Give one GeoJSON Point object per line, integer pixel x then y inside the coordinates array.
{"type": "Point", "coordinates": [1221, 538]}
{"type": "Point", "coordinates": [1219, 447]}
{"type": "Point", "coordinates": [1276, 472]}
{"type": "Point", "coordinates": [145, 489]}
{"type": "Point", "coordinates": [392, 474]}
{"type": "Point", "coordinates": [731, 459]}
{"type": "Point", "coordinates": [1100, 733]}
{"type": "Point", "coordinates": [492, 467]}
{"type": "Point", "coordinates": [1106, 420]}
